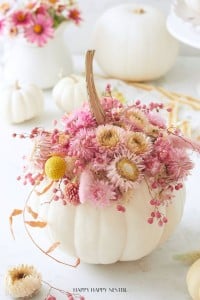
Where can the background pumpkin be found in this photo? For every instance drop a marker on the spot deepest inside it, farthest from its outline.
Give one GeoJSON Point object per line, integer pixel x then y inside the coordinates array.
{"type": "Point", "coordinates": [20, 103]}
{"type": "Point", "coordinates": [193, 280]}
{"type": "Point", "coordinates": [132, 43]}
{"type": "Point", "coordinates": [70, 93]}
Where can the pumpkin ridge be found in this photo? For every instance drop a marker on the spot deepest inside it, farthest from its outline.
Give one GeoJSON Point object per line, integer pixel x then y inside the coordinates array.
{"type": "Point", "coordinates": [126, 235]}
{"type": "Point", "coordinates": [74, 231]}
{"type": "Point", "coordinates": [27, 97]}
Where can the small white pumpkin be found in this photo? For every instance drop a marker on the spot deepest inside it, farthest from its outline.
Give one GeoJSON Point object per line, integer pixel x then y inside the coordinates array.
{"type": "Point", "coordinates": [104, 235]}
{"type": "Point", "coordinates": [193, 4]}
{"type": "Point", "coordinates": [132, 43]}
{"type": "Point", "coordinates": [193, 280]}
{"type": "Point", "coordinates": [20, 103]}
{"type": "Point", "coordinates": [70, 93]}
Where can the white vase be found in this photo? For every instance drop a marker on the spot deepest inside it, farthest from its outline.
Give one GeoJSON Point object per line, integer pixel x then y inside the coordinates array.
{"type": "Point", "coordinates": [27, 63]}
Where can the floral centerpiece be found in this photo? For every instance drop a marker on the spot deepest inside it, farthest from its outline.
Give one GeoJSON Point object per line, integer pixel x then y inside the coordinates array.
{"type": "Point", "coordinates": [37, 20]}
{"type": "Point", "coordinates": [34, 36]}
{"type": "Point", "coordinates": [111, 159]}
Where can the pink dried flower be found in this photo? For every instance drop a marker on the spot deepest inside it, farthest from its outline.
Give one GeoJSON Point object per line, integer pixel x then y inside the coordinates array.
{"type": "Point", "coordinates": [40, 30]}
{"type": "Point", "coordinates": [83, 144]}
{"type": "Point", "coordinates": [109, 137]}
{"type": "Point", "coordinates": [136, 118]}
{"type": "Point", "coordinates": [98, 192]}
{"type": "Point", "coordinates": [109, 103]}
{"type": "Point", "coordinates": [125, 171]}
{"type": "Point", "coordinates": [156, 120]}
{"type": "Point", "coordinates": [72, 194]}
{"type": "Point", "coordinates": [179, 141]}
{"type": "Point", "coordinates": [138, 143]}
{"type": "Point", "coordinates": [79, 119]}
{"type": "Point", "coordinates": [179, 165]}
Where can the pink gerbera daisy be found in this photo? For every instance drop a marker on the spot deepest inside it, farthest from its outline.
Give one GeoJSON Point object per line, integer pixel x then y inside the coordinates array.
{"type": "Point", "coordinates": [40, 30]}
{"type": "Point", "coordinates": [75, 15]}
{"type": "Point", "coordinates": [21, 18]}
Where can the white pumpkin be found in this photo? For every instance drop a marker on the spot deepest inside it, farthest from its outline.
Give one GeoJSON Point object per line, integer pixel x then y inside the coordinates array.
{"type": "Point", "coordinates": [105, 235]}
{"type": "Point", "coordinates": [20, 103]}
{"type": "Point", "coordinates": [193, 280]}
{"type": "Point", "coordinates": [193, 4]}
{"type": "Point", "coordinates": [132, 43]}
{"type": "Point", "coordinates": [70, 93]}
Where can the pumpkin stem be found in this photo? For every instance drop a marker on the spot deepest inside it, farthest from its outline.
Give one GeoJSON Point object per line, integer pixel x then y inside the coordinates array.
{"type": "Point", "coordinates": [17, 86]}
{"type": "Point", "coordinates": [94, 101]}
{"type": "Point", "coordinates": [139, 11]}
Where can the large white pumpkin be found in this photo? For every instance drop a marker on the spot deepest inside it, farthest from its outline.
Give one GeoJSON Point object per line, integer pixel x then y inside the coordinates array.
{"type": "Point", "coordinates": [193, 4]}
{"type": "Point", "coordinates": [105, 235]}
{"type": "Point", "coordinates": [132, 43]}
{"type": "Point", "coordinates": [193, 280]}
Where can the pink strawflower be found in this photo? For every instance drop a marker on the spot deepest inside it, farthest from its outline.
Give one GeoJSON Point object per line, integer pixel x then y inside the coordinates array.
{"type": "Point", "coordinates": [179, 166]}
{"type": "Point", "coordinates": [81, 118]}
{"type": "Point", "coordinates": [83, 144]}
{"type": "Point", "coordinates": [21, 18]}
{"type": "Point", "coordinates": [156, 120]}
{"type": "Point", "coordinates": [40, 30]}
{"type": "Point", "coordinates": [109, 103]}
{"type": "Point", "coordinates": [125, 171]}
{"type": "Point", "coordinates": [75, 15]}
{"type": "Point", "coordinates": [98, 192]}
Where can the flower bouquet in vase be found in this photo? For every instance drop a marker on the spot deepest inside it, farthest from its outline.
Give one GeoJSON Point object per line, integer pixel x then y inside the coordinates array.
{"type": "Point", "coordinates": [36, 51]}
{"type": "Point", "coordinates": [109, 183]}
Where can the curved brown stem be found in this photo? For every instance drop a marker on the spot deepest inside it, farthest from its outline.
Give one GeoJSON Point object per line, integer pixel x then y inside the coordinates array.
{"type": "Point", "coordinates": [94, 101]}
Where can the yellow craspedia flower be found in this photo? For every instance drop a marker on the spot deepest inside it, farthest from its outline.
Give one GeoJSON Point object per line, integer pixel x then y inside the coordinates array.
{"type": "Point", "coordinates": [55, 167]}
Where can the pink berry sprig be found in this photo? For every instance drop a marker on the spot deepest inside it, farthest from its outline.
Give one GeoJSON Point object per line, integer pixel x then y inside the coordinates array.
{"type": "Point", "coordinates": [69, 295]}
{"type": "Point", "coordinates": [156, 214]}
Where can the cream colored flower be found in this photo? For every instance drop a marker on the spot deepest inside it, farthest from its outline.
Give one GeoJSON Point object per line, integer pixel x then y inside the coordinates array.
{"type": "Point", "coordinates": [109, 136]}
{"type": "Point", "coordinates": [137, 117]}
{"type": "Point", "coordinates": [22, 281]}
{"type": "Point", "coordinates": [125, 171]}
{"type": "Point", "coordinates": [138, 142]}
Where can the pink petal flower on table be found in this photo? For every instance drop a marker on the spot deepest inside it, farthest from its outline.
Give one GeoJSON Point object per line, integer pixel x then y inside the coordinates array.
{"type": "Point", "coordinates": [75, 15]}
{"type": "Point", "coordinates": [99, 192]}
{"type": "Point", "coordinates": [40, 30]}
{"type": "Point", "coordinates": [125, 171]}
{"type": "Point", "coordinates": [21, 18]}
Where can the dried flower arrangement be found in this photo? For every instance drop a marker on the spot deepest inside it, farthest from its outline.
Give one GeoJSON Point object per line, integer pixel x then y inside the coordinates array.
{"type": "Point", "coordinates": [37, 20]}
{"type": "Point", "coordinates": [105, 149]}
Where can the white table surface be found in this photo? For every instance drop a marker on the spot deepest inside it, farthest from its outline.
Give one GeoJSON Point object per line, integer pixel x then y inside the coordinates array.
{"type": "Point", "coordinates": [157, 276]}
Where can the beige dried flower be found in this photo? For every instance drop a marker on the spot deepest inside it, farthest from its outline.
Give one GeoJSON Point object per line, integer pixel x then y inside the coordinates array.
{"type": "Point", "coordinates": [22, 281]}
